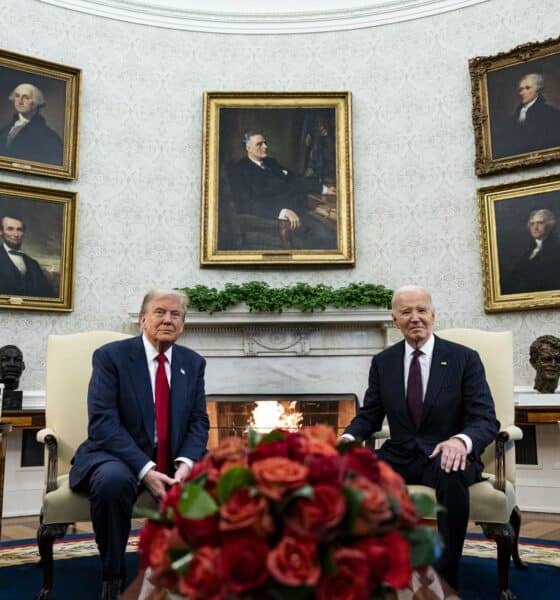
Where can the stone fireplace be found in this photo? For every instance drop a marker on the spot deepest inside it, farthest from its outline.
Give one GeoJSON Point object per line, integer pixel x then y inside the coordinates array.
{"type": "Point", "coordinates": [320, 358]}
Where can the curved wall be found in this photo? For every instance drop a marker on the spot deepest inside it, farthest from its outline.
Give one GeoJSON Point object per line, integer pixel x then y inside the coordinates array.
{"type": "Point", "coordinates": [140, 155]}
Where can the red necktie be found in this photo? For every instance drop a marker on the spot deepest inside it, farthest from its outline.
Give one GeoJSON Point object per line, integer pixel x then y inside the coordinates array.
{"type": "Point", "coordinates": [163, 460]}
{"type": "Point", "coordinates": [414, 389]}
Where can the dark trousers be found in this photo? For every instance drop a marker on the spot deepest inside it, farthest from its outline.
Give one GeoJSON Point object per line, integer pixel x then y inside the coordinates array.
{"type": "Point", "coordinates": [113, 489]}
{"type": "Point", "coordinates": [452, 492]}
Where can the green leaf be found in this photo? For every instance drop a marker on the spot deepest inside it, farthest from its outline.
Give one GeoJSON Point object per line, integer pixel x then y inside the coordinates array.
{"type": "Point", "coordinates": [425, 546]}
{"type": "Point", "coordinates": [426, 507]}
{"type": "Point", "coordinates": [143, 512]}
{"type": "Point", "coordinates": [253, 438]}
{"type": "Point", "coordinates": [196, 503]}
{"type": "Point", "coordinates": [273, 436]}
{"type": "Point", "coordinates": [181, 564]}
{"type": "Point", "coordinates": [232, 480]}
{"type": "Point", "coordinates": [353, 502]}
{"type": "Point", "coordinates": [283, 592]}
{"type": "Point", "coordinates": [305, 491]}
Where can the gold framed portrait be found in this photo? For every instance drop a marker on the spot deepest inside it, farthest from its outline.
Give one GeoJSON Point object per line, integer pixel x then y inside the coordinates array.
{"type": "Point", "coordinates": [277, 179]}
{"type": "Point", "coordinates": [520, 244]}
{"type": "Point", "coordinates": [37, 247]}
{"type": "Point", "coordinates": [516, 107]}
{"type": "Point", "coordinates": [39, 115]}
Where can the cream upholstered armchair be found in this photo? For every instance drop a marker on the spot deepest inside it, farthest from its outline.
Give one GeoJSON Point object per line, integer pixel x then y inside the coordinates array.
{"type": "Point", "coordinates": [68, 373]}
{"type": "Point", "coordinates": [493, 505]}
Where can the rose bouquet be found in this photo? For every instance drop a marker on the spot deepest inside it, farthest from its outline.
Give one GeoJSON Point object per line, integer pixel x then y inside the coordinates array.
{"type": "Point", "coordinates": [288, 515]}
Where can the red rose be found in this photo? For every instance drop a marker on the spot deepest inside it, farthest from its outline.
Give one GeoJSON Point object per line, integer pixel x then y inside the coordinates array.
{"type": "Point", "coordinates": [159, 558]}
{"type": "Point", "coordinates": [389, 557]}
{"type": "Point", "coordinates": [242, 510]}
{"type": "Point", "coordinates": [325, 469]}
{"type": "Point", "coordinates": [323, 433]}
{"type": "Point", "coordinates": [389, 479]}
{"type": "Point", "coordinates": [202, 581]}
{"type": "Point", "coordinates": [243, 563]}
{"type": "Point", "coordinates": [318, 516]}
{"type": "Point", "coordinates": [149, 531]}
{"type": "Point", "coordinates": [351, 579]}
{"type": "Point", "coordinates": [266, 450]}
{"type": "Point", "coordinates": [171, 498]}
{"type": "Point", "coordinates": [375, 509]}
{"type": "Point", "coordinates": [362, 461]}
{"type": "Point", "coordinates": [199, 532]}
{"type": "Point", "coordinates": [276, 475]}
{"type": "Point", "coordinates": [232, 449]}
{"type": "Point", "coordinates": [294, 562]}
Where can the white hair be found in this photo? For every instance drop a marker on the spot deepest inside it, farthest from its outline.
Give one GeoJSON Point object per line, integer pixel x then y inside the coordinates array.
{"type": "Point", "coordinates": [537, 78]}
{"type": "Point", "coordinates": [410, 288]}
{"type": "Point", "coordinates": [155, 294]}
{"type": "Point", "coordinates": [36, 93]}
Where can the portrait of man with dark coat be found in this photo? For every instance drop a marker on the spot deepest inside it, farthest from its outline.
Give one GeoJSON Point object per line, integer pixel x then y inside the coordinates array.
{"type": "Point", "coordinates": [27, 136]}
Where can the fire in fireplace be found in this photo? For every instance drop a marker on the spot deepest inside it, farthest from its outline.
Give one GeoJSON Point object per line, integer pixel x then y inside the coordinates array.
{"type": "Point", "coordinates": [233, 414]}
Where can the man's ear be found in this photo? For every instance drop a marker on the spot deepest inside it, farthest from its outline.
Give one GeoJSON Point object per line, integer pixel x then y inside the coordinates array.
{"type": "Point", "coordinates": [22, 366]}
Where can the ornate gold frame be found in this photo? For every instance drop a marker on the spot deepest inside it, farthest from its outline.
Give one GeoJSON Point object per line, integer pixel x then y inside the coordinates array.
{"type": "Point", "coordinates": [480, 68]}
{"type": "Point", "coordinates": [22, 194]}
{"type": "Point", "coordinates": [514, 202]}
{"type": "Point", "coordinates": [35, 69]}
{"type": "Point", "coordinates": [214, 104]}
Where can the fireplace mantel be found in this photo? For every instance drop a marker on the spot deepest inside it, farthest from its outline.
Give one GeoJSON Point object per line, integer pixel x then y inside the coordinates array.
{"type": "Point", "coordinates": [240, 332]}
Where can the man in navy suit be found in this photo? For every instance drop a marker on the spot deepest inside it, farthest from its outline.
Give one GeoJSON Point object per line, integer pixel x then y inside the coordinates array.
{"type": "Point", "coordinates": [440, 413]}
{"type": "Point", "coordinates": [117, 460]}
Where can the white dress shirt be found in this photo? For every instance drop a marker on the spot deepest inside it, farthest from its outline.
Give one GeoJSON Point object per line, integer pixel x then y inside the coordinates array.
{"type": "Point", "coordinates": [524, 109]}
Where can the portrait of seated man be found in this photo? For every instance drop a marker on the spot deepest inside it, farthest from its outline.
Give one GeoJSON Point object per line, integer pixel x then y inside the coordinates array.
{"type": "Point", "coordinates": [20, 275]}
{"type": "Point", "coordinates": [534, 124]}
{"type": "Point", "coordinates": [262, 188]}
{"type": "Point", "coordinates": [27, 136]}
{"type": "Point", "coordinates": [538, 269]}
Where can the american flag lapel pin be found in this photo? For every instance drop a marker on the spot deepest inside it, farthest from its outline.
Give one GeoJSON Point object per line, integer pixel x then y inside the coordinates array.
{"type": "Point", "coordinates": [183, 371]}
{"type": "Point", "coordinates": [444, 363]}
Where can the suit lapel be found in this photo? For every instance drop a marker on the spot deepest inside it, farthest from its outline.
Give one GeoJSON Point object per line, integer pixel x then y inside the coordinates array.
{"type": "Point", "coordinates": [180, 380]}
{"type": "Point", "coordinates": [438, 373]}
{"type": "Point", "coordinates": [140, 377]}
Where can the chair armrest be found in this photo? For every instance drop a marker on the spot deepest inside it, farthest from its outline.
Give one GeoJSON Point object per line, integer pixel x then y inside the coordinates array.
{"type": "Point", "coordinates": [382, 434]}
{"type": "Point", "coordinates": [514, 433]}
{"type": "Point", "coordinates": [505, 437]}
{"type": "Point", "coordinates": [47, 436]}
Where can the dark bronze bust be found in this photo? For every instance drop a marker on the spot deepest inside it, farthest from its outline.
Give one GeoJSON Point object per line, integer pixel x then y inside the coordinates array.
{"type": "Point", "coordinates": [544, 355]}
{"type": "Point", "coordinates": [11, 368]}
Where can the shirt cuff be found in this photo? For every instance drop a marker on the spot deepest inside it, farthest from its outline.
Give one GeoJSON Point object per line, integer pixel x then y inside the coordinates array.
{"type": "Point", "coordinates": [347, 437]}
{"type": "Point", "coordinates": [467, 440]}
{"type": "Point", "coordinates": [149, 465]}
{"type": "Point", "coordinates": [184, 459]}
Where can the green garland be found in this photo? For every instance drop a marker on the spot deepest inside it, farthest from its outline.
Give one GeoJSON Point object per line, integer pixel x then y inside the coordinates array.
{"type": "Point", "coordinates": [259, 296]}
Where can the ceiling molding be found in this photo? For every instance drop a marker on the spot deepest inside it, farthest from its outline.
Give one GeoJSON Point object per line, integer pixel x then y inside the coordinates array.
{"type": "Point", "coordinates": [252, 17]}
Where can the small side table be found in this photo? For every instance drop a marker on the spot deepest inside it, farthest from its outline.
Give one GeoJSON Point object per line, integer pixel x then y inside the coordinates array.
{"type": "Point", "coordinates": [5, 428]}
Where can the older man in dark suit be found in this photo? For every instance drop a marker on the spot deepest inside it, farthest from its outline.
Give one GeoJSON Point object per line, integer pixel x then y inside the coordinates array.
{"type": "Point", "coordinates": [147, 425]}
{"type": "Point", "coordinates": [27, 136]}
{"type": "Point", "coordinates": [20, 275]}
{"type": "Point", "coordinates": [264, 188]}
{"type": "Point", "coordinates": [440, 413]}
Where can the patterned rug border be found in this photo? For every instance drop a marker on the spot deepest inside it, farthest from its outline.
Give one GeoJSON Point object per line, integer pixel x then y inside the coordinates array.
{"type": "Point", "coordinates": [25, 551]}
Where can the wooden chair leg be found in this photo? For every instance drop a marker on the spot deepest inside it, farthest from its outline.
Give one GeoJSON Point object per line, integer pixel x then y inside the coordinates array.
{"type": "Point", "coordinates": [503, 534]}
{"type": "Point", "coordinates": [515, 520]}
{"type": "Point", "coordinates": [46, 535]}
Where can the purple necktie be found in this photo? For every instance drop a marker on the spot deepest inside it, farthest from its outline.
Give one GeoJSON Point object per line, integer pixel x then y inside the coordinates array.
{"type": "Point", "coordinates": [414, 389]}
